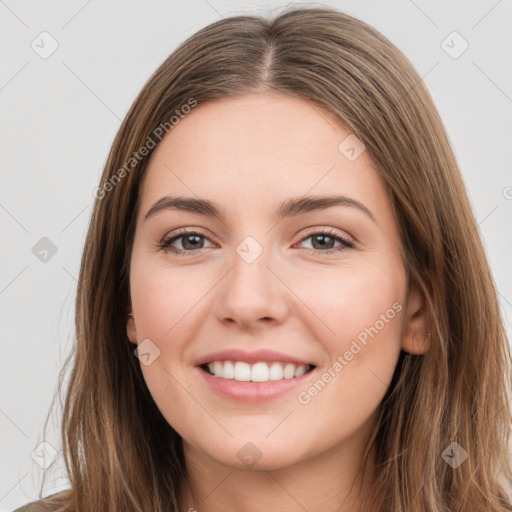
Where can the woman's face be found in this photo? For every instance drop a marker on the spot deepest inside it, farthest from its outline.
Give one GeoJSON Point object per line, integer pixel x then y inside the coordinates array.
{"type": "Point", "coordinates": [267, 281]}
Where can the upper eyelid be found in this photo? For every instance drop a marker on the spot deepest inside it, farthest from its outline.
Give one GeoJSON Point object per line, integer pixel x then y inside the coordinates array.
{"type": "Point", "coordinates": [312, 230]}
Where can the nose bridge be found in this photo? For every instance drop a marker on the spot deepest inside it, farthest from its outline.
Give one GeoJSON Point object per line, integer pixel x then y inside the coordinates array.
{"type": "Point", "coordinates": [251, 291]}
{"type": "Point", "coordinates": [251, 276]}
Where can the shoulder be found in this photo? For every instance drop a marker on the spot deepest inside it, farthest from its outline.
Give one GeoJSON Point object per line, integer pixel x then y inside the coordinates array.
{"type": "Point", "coordinates": [43, 505]}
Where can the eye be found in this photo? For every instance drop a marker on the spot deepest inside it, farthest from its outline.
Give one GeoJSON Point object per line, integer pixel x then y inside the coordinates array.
{"type": "Point", "coordinates": [190, 241]}
{"type": "Point", "coordinates": [325, 240]}
{"type": "Point", "coordinates": [193, 241]}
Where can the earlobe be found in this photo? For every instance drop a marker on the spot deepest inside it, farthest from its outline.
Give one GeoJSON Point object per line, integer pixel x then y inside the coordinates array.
{"type": "Point", "coordinates": [415, 335]}
{"type": "Point", "coordinates": [418, 346]}
{"type": "Point", "coordinates": [131, 330]}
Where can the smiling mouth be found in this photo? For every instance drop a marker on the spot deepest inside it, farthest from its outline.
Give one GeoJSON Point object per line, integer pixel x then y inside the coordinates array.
{"type": "Point", "coordinates": [242, 371]}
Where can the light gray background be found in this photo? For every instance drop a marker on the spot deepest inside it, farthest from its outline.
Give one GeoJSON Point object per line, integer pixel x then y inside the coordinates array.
{"type": "Point", "coordinates": [59, 117]}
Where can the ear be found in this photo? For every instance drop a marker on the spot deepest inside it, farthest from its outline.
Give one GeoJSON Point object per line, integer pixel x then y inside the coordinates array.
{"type": "Point", "coordinates": [131, 330]}
{"type": "Point", "coordinates": [415, 335]}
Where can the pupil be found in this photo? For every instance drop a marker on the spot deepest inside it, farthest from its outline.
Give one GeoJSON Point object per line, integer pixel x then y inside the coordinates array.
{"type": "Point", "coordinates": [187, 240]}
{"type": "Point", "coordinates": [323, 238]}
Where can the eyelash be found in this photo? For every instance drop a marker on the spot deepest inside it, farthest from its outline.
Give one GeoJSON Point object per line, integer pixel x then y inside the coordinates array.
{"type": "Point", "coordinates": [164, 245]}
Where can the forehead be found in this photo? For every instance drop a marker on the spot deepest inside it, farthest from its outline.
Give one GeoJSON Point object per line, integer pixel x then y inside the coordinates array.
{"type": "Point", "coordinates": [259, 149]}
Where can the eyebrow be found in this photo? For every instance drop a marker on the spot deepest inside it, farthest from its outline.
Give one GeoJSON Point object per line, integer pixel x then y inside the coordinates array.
{"type": "Point", "coordinates": [290, 208]}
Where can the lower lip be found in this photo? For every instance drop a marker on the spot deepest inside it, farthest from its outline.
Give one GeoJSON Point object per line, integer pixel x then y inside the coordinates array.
{"type": "Point", "coordinates": [252, 391]}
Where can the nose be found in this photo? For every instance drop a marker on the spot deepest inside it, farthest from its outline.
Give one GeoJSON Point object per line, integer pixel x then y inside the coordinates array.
{"type": "Point", "coordinates": [252, 294]}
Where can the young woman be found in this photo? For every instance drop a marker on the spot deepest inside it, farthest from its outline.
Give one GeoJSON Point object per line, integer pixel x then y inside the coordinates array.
{"type": "Point", "coordinates": [284, 303]}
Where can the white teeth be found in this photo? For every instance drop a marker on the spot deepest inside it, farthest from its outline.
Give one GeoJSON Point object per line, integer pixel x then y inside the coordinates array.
{"type": "Point", "coordinates": [276, 371]}
{"type": "Point", "coordinates": [301, 370]}
{"type": "Point", "coordinates": [258, 372]}
{"type": "Point", "coordinates": [228, 371]}
{"type": "Point", "coordinates": [289, 371]}
{"type": "Point", "coordinates": [217, 367]}
{"type": "Point", "coordinates": [242, 371]}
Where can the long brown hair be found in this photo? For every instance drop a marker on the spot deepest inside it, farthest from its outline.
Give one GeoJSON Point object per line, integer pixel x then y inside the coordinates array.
{"type": "Point", "coordinates": [120, 452]}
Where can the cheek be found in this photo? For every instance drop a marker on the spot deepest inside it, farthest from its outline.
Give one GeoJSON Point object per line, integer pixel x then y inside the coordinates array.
{"type": "Point", "coordinates": [346, 301]}
{"type": "Point", "coordinates": [358, 323]}
{"type": "Point", "coordinates": [164, 300]}
{"type": "Point", "coordinates": [165, 297]}
{"type": "Point", "coordinates": [364, 311]}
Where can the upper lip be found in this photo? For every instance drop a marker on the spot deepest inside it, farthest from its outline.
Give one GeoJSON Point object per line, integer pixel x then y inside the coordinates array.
{"type": "Point", "coordinates": [250, 357]}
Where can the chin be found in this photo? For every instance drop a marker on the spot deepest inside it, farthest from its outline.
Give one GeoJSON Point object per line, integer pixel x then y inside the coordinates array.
{"type": "Point", "coordinates": [242, 454]}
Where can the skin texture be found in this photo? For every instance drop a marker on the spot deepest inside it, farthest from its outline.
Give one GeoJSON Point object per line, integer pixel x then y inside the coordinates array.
{"type": "Point", "coordinates": [248, 155]}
